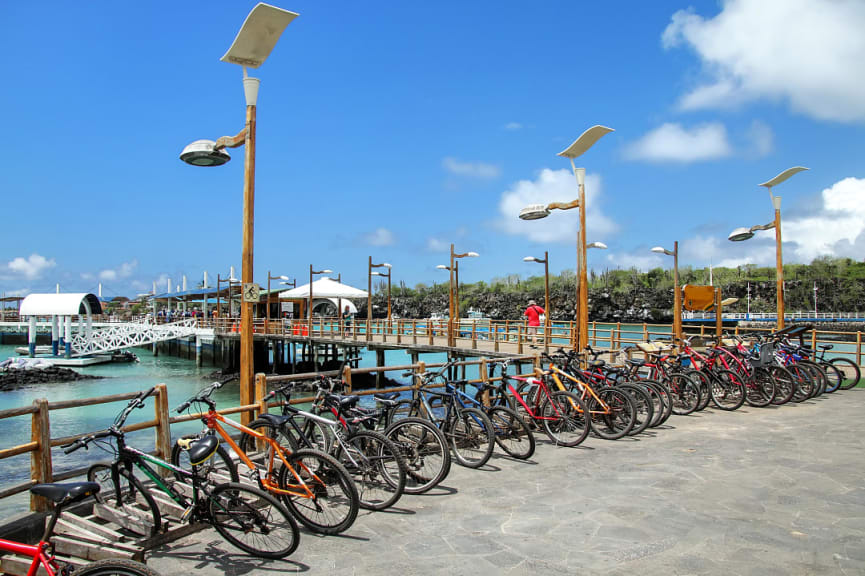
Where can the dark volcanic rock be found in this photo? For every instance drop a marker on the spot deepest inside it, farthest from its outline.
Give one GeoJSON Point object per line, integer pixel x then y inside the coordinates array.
{"type": "Point", "coordinates": [17, 378]}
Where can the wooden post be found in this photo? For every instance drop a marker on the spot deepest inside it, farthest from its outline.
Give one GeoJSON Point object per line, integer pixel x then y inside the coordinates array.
{"type": "Point", "coordinates": [482, 367]}
{"type": "Point", "coordinates": [645, 332]}
{"type": "Point", "coordinates": [814, 339]}
{"type": "Point", "coordinates": [40, 458]}
{"type": "Point", "coordinates": [260, 393]}
{"type": "Point", "coordinates": [421, 369]}
{"type": "Point", "coordinates": [536, 363]}
{"type": "Point", "coordinates": [474, 334]}
{"type": "Point", "coordinates": [495, 329]}
{"type": "Point", "coordinates": [414, 332]}
{"type": "Point", "coordinates": [163, 426]}
{"type": "Point", "coordinates": [858, 348]}
{"type": "Point", "coordinates": [398, 332]}
{"type": "Point", "coordinates": [520, 339]}
{"type": "Point", "coordinates": [346, 378]}
{"type": "Point", "coordinates": [719, 317]}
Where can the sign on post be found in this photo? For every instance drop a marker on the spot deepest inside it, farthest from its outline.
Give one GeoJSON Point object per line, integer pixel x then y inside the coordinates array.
{"type": "Point", "coordinates": [698, 298]}
{"type": "Point", "coordinates": [251, 292]}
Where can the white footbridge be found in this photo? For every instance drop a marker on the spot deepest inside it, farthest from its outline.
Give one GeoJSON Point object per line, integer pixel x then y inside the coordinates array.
{"type": "Point", "coordinates": [121, 335]}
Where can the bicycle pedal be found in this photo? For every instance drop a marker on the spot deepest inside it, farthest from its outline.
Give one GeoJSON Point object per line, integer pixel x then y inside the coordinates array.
{"type": "Point", "coordinates": [187, 513]}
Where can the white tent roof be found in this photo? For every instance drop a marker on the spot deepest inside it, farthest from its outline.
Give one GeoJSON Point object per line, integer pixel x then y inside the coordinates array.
{"type": "Point", "coordinates": [62, 304]}
{"type": "Point", "coordinates": [324, 288]}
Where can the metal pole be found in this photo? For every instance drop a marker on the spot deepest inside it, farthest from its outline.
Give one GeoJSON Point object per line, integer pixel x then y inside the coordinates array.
{"type": "Point", "coordinates": [584, 284]}
{"type": "Point", "coordinates": [677, 296]}
{"type": "Point", "coordinates": [547, 319]}
{"type": "Point", "coordinates": [369, 301]}
{"type": "Point", "coordinates": [779, 267]}
{"type": "Point", "coordinates": [451, 300]}
{"type": "Point", "coordinates": [389, 272]}
{"type": "Point", "coordinates": [309, 306]}
{"type": "Point", "coordinates": [267, 312]}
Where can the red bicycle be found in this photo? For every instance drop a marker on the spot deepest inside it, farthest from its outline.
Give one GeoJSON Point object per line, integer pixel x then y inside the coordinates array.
{"type": "Point", "coordinates": [43, 553]}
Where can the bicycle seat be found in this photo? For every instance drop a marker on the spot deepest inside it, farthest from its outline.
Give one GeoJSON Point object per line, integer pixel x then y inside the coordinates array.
{"type": "Point", "coordinates": [388, 398]}
{"type": "Point", "coordinates": [825, 346]}
{"type": "Point", "coordinates": [199, 449]}
{"type": "Point", "coordinates": [348, 401]}
{"type": "Point", "coordinates": [68, 492]}
{"type": "Point", "coordinates": [597, 363]}
{"type": "Point", "coordinates": [636, 362]}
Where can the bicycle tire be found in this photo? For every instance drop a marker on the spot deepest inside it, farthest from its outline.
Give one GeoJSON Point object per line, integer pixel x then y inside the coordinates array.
{"type": "Point", "coordinates": [512, 433]}
{"type": "Point", "coordinates": [804, 383]}
{"type": "Point", "coordinates": [527, 391]}
{"type": "Point", "coordinates": [471, 437]}
{"type": "Point", "coordinates": [401, 410]}
{"type": "Point", "coordinates": [135, 501]}
{"type": "Point", "coordinates": [728, 390]}
{"type": "Point", "coordinates": [850, 370]}
{"type": "Point", "coordinates": [220, 462]}
{"type": "Point", "coordinates": [834, 377]}
{"type": "Point", "coordinates": [666, 401]}
{"type": "Point", "coordinates": [760, 391]}
{"type": "Point", "coordinates": [425, 451]}
{"type": "Point", "coordinates": [685, 394]}
{"type": "Point", "coordinates": [376, 467]}
{"type": "Point", "coordinates": [260, 455]}
{"type": "Point", "coordinates": [785, 385]}
{"type": "Point", "coordinates": [239, 511]}
{"type": "Point", "coordinates": [617, 423]}
{"type": "Point", "coordinates": [497, 397]}
{"type": "Point", "coordinates": [643, 407]}
{"type": "Point", "coordinates": [335, 502]}
{"type": "Point", "coordinates": [571, 424]}
{"type": "Point", "coordinates": [817, 375]}
{"type": "Point", "coordinates": [705, 384]}
{"type": "Point", "coordinates": [658, 405]}
{"type": "Point", "coordinates": [115, 567]}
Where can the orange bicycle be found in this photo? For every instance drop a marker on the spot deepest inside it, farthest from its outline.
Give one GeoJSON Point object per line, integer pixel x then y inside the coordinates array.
{"type": "Point", "coordinates": [612, 412]}
{"type": "Point", "coordinates": [315, 487]}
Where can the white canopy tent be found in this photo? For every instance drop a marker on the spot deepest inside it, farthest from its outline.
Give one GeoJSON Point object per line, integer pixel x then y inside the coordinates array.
{"type": "Point", "coordinates": [61, 308]}
{"type": "Point", "coordinates": [327, 290]}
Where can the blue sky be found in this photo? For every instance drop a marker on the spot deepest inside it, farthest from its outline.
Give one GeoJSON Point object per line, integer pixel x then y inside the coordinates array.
{"type": "Point", "coordinates": [393, 129]}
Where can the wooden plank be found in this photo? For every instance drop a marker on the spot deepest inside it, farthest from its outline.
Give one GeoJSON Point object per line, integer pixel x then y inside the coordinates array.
{"type": "Point", "coordinates": [20, 565]}
{"type": "Point", "coordinates": [78, 526]}
{"type": "Point", "coordinates": [166, 505]}
{"type": "Point", "coordinates": [91, 550]}
{"type": "Point", "coordinates": [20, 449]}
{"type": "Point", "coordinates": [126, 519]}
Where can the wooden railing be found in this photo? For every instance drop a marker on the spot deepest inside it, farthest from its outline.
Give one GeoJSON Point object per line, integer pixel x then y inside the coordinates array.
{"type": "Point", "coordinates": [40, 444]}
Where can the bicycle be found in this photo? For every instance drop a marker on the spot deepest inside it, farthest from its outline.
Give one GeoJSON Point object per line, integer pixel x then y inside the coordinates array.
{"type": "Point", "coordinates": [469, 431]}
{"type": "Point", "coordinates": [563, 415]}
{"type": "Point", "coordinates": [64, 495]}
{"type": "Point", "coordinates": [315, 487]}
{"type": "Point", "coordinates": [373, 461]}
{"type": "Point", "coordinates": [247, 517]}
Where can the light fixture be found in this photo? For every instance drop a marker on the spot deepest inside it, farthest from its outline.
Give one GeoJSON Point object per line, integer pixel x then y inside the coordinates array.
{"type": "Point", "coordinates": [202, 153]}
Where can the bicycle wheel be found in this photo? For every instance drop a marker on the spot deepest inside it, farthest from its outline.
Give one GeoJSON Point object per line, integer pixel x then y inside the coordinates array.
{"type": "Point", "coordinates": [565, 418]}
{"type": "Point", "coordinates": [497, 397]}
{"type": "Point", "coordinates": [685, 394]}
{"type": "Point", "coordinates": [253, 520]}
{"type": "Point", "coordinates": [425, 451]}
{"type": "Point", "coordinates": [220, 463]}
{"type": "Point", "coordinates": [527, 391]}
{"type": "Point", "coordinates": [401, 410]}
{"type": "Point", "coordinates": [728, 390]}
{"type": "Point", "coordinates": [785, 385]}
{"type": "Point", "coordinates": [512, 433]}
{"type": "Point", "coordinates": [617, 419]}
{"type": "Point", "coordinates": [665, 398]}
{"type": "Point", "coordinates": [834, 377]}
{"type": "Point", "coordinates": [760, 390]}
{"type": "Point", "coordinates": [128, 496]}
{"type": "Point", "coordinates": [115, 566]}
{"type": "Point", "coordinates": [804, 383]}
{"type": "Point", "coordinates": [704, 383]}
{"type": "Point", "coordinates": [817, 375]}
{"type": "Point", "coordinates": [471, 437]}
{"type": "Point", "coordinates": [850, 370]}
{"type": "Point", "coordinates": [376, 466]}
{"type": "Point", "coordinates": [332, 506]}
{"type": "Point", "coordinates": [643, 407]}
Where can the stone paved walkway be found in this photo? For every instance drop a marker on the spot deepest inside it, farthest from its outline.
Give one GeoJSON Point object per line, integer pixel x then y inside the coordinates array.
{"type": "Point", "coordinates": [776, 491]}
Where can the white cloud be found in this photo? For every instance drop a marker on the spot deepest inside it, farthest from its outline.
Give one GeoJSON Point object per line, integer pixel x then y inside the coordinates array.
{"type": "Point", "coordinates": [125, 270]}
{"type": "Point", "coordinates": [513, 126]}
{"type": "Point", "coordinates": [837, 229]}
{"type": "Point", "coordinates": [380, 237]}
{"type": "Point", "coordinates": [761, 139]}
{"type": "Point", "coordinates": [477, 170]}
{"type": "Point", "coordinates": [671, 142]}
{"type": "Point", "coordinates": [32, 267]}
{"type": "Point", "coordinates": [560, 226]}
{"type": "Point", "coordinates": [806, 52]}
{"type": "Point", "coordinates": [437, 245]}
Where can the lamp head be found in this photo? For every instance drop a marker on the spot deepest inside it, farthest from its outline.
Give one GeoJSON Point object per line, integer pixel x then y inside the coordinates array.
{"type": "Point", "coordinates": [258, 35]}
{"type": "Point", "coordinates": [327, 271]}
{"type": "Point", "coordinates": [661, 250]}
{"type": "Point", "coordinates": [599, 245]}
{"type": "Point", "coordinates": [442, 267]}
{"type": "Point", "coordinates": [740, 234]}
{"type": "Point", "coordinates": [776, 202]}
{"type": "Point", "coordinates": [386, 265]}
{"type": "Point", "coordinates": [472, 255]}
{"type": "Point", "coordinates": [201, 153]}
{"type": "Point", "coordinates": [534, 212]}
{"type": "Point", "coordinates": [586, 140]}
{"type": "Point", "coordinates": [783, 176]}
{"type": "Point", "coordinates": [530, 259]}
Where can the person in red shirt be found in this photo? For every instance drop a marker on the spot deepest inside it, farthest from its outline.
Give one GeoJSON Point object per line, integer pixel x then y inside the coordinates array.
{"type": "Point", "coordinates": [533, 313]}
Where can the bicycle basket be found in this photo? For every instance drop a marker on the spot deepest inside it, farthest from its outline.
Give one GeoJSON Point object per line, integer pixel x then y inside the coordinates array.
{"type": "Point", "coordinates": [767, 355]}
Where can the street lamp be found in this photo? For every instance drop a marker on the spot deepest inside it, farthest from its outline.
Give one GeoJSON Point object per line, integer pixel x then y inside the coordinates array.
{"type": "Point", "coordinates": [369, 295]}
{"type": "Point", "coordinates": [219, 281]}
{"type": "Point", "coordinates": [677, 296]}
{"type": "Point", "coordinates": [251, 47]}
{"type": "Point", "coordinates": [546, 262]}
{"type": "Point", "coordinates": [740, 234]}
{"type": "Point", "coordinates": [309, 307]}
{"type": "Point", "coordinates": [386, 275]}
{"type": "Point", "coordinates": [454, 294]}
{"type": "Point", "coordinates": [533, 212]}
{"type": "Point", "coordinates": [269, 278]}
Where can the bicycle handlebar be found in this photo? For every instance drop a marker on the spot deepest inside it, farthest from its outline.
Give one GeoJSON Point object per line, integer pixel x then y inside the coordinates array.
{"type": "Point", "coordinates": [202, 396]}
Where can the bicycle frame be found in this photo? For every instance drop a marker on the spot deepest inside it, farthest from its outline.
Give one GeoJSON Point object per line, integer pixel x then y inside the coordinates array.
{"type": "Point", "coordinates": [584, 387]}
{"type": "Point", "coordinates": [41, 558]}
{"type": "Point", "coordinates": [542, 387]}
{"type": "Point", "coordinates": [212, 419]}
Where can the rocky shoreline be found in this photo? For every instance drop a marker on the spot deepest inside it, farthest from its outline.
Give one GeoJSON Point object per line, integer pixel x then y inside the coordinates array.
{"type": "Point", "coordinates": [18, 378]}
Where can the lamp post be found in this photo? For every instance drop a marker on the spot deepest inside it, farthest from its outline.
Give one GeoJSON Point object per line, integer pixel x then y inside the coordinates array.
{"type": "Point", "coordinates": [677, 296]}
{"type": "Point", "coordinates": [267, 315]}
{"type": "Point", "coordinates": [386, 275]}
{"type": "Point", "coordinates": [586, 140]}
{"type": "Point", "coordinates": [251, 47]}
{"type": "Point", "coordinates": [454, 304]}
{"type": "Point", "coordinates": [740, 234]}
{"type": "Point", "coordinates": [309, 305]}
{"type": "Point", "coordinates": [369, 295]}
{"type": "Point", "coordinates": [546, 262]}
